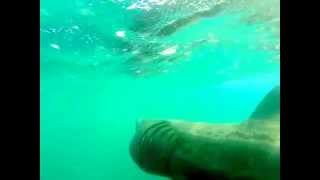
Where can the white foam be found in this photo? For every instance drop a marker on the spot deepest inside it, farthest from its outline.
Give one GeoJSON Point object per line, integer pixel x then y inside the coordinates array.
{"type": "Point", "coordinates": [132, 6]}
{"type": "Point", "coordinates": [141, 5]}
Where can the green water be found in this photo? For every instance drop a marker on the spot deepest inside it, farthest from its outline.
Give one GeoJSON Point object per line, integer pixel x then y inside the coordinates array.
{"type": "Point", "coordinates": [91, 100]}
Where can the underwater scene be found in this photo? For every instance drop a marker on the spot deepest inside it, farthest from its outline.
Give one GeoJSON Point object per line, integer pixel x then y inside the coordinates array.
{"type": "Point", "coordinates": [159, 89]}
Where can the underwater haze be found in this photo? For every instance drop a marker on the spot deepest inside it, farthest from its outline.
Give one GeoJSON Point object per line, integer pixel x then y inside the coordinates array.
{"type": "Point", "coordinates": [107, 64]}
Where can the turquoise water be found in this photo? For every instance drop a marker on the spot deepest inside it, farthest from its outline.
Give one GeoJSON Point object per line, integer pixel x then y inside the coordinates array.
{"type": "Point", "coordinates": [92, 94]}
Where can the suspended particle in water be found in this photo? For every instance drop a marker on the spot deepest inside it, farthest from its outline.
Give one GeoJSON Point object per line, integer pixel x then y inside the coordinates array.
{"type": "Point", "coordinates": [44, 12]}
{"type": "Point", "coordinates": [135, 52]}
{"type": "Point", "coordinates": [188, 53]}
{"type": "Point", "coordinates": [236, 65]}
{"type": "Point", "coordinates": [45, 30]}
{"type": "Point", "coordinates": [138, 71]}
{"type": "Point", "coordinates": [212, 38]}
{"type": "Point", "coordinates": [86, 12]}
{"type": "Point", "coordinates": [165, 70]}
{"type": "Point", "coordinates": [75, 27]}
{"type": "Point", "coordinates": [121, 34]}
{"type": "Point", "coordinates": [55, 46]}
{"type": "Point", "coordinates": [169, 51]}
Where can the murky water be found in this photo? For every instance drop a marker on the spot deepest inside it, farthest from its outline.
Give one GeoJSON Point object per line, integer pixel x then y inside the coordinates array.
{"type": "Point", "coordinates": [107, 63]}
